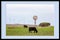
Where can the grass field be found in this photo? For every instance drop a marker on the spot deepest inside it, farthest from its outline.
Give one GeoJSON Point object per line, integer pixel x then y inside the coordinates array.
{"type": "Point", "coordinates": [21, 31]}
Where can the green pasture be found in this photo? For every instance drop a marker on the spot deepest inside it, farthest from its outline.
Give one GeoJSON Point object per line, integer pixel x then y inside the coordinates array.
{"type": "Point", "coordinates": [21, 31]}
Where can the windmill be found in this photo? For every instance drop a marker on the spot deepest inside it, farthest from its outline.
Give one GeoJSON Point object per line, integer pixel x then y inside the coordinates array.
{"type": "Point", "coordinates": [35, 18]}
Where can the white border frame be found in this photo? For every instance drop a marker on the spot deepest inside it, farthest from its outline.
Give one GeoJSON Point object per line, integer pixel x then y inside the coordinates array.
{"type": "Point", "coordinates": [3, 25]}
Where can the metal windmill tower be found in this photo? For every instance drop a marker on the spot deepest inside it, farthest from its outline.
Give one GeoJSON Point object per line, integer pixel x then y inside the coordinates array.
{"type": "Point", "coordinates": [35, 18]}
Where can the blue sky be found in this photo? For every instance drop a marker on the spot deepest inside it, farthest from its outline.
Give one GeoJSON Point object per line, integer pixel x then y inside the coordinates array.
{"type": "Point", "coordinates": [23, 13]}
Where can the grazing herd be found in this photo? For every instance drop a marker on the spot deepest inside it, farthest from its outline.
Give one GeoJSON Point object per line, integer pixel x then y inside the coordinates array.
{"type": "Point", "coordinates": [33, 28]}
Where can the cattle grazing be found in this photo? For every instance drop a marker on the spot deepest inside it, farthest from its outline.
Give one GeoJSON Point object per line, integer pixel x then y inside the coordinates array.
{"type": "Point", "coordinates": [25, 26]}
{"type": "Point", "coordinates": [33, 29]}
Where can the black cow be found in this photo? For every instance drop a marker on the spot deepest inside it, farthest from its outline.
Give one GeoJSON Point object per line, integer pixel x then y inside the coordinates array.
{"type": "Point", "coordinates": [25, 26]}
{"type": "Point", "coordinates": [33, 29]}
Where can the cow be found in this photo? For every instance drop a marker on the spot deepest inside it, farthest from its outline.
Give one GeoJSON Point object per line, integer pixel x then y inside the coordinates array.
{"type": "Point", "coordinates": [25, 26]}
{"type": "Point", "coordinates": [33, 29]}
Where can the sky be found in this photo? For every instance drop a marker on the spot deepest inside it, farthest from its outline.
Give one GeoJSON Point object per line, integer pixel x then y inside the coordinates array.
{"type": "Point", "coordinates": [23, 13]}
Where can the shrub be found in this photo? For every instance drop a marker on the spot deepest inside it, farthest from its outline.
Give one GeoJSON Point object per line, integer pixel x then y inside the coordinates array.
{"type": "Point", "coordinates": [44, 24]}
